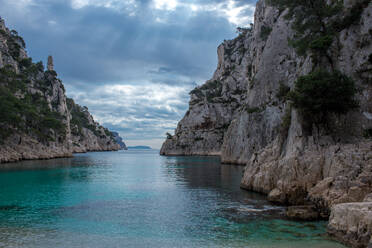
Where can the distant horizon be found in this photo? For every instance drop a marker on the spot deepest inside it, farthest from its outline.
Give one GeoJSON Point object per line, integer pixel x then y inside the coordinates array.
{"type": "Point", "coordinates": [132, 63]}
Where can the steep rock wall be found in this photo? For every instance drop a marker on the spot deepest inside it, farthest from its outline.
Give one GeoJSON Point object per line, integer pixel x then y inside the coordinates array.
{"type": "Point", "coordinates": [290, 168]}
{"type": "Point", "coordinates": [215, 104]}
{"type": "Point", "coordinates": [293, 162]}
{"type": "Point", "coordinates": [36, 121]}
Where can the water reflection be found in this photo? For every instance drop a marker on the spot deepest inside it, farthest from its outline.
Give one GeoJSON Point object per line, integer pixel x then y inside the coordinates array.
{"type": "Point", "coordinates": [220, 179]}
{"type": "Point", "coordinates": [37, 164]}
{"type": "Point", "coordinates": [139, 199]}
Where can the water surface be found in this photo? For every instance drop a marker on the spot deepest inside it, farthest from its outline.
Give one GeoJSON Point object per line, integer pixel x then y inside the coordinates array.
{"type": "Point", "coordinates": [140, 199]}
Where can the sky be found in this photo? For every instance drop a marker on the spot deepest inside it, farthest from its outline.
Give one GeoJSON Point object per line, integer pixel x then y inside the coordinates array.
{"type": "Point", "coordinates": [131, 62]}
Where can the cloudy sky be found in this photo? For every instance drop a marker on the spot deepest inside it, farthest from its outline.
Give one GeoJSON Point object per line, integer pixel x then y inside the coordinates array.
{"type": "Point", "coordinates": [132, 62]}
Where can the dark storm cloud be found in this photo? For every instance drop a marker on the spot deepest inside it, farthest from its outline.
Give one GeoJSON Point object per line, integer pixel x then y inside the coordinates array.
{"type": "Point", "coordinates": [142, 45]}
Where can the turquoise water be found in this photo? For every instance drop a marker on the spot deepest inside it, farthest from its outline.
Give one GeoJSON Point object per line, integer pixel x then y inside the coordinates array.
{"type": "Point", "coordinates": [140, 199]}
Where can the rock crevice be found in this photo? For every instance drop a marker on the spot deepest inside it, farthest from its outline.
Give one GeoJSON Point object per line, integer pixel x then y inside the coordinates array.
{"type": "Point", "coordinates": [292, 161]}
{"type": "Point", "coordinates": [37, 120]}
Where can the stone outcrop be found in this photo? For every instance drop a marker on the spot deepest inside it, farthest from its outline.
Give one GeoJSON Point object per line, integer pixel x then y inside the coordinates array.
{"type": "Point", "coordinates": [215, 104]}
{"type": "Point", "coordinates": [119, 140]}
{"type": "Point", "coordinates": [319, 167]}
{"type": "Point", "coordinates": [37, 120]}
{"type": "Point", "coordinates": [290, 161]}
{"type": "Point", "coordinates": [303, 212]}
{"type": "Point", "coordinates": [50, 65]}
{"type": "Point", "coordinates": [86, 134]}
{"type": "Point", "coordinates": [352, 224]}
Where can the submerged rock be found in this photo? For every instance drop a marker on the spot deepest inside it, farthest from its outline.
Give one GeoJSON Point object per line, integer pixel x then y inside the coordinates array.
{"type": "Point", "coordinates": [305, 212]}
{"type": "Point", "coordinates": [291, 160]}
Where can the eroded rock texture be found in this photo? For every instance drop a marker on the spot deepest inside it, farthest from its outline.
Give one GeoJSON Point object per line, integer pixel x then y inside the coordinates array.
{"type": "Point", "coordinates": [37, 120]}
{"type": "Point", "coordinates": [291, 161]}
{"type": "Point", "coordinates": [352, 223]}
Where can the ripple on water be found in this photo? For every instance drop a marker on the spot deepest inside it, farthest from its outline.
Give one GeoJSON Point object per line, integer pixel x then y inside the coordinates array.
{"type": "Point", "coordinates": [139, 199]}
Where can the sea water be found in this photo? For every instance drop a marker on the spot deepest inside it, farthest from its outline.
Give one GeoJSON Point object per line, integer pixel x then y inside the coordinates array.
{"type": "Point", "coordinates": [140, 199]}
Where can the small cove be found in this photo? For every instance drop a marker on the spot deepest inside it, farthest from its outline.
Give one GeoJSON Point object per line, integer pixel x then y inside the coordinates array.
{"type": "Point", "coordinates": [140, 199]}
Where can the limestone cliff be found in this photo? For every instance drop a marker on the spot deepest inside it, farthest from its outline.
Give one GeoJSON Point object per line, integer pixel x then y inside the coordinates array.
{"type": "Point", "coordinates": [86, 134]}
{"type": "Point", "coordinates": [119, 140]}
{"type": "Point", "coordinates": [215, 104]}
{"type": "Point", "coordinates": [37, 121]}
{"type": "Point", "coordinates": [292, 160]}
{"type": "Point", "coordinates": [297, 163]}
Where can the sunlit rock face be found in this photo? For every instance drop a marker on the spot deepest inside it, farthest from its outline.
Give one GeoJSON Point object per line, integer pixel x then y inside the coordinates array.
{"type": "Point", "coordinates": [49, 125]}
{"type": "Point", "coordinates": [264, 132]}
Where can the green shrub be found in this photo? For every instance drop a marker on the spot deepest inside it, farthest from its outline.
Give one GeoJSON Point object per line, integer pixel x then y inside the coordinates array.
{"type": "Point", "coordinates": [28, 113]}
{"type": "Point", "coordinates": [80, 118]}
{"type": "Point", "coordinates": [53, 73]}
{"type": "Point", "coordinates": [265, 32]}
{"type": "Point", "coordinates": [14, 49]}
{"type": "Point", "coordinates": [210, 85]}
{"type": "Point", "coordinates": [53, 123]}
{"type": "Point", "coordinates": [367, 133]}
{"type": "Point", "coordinates": [321, 92]}
{"type": "Point", "coordinates": [210, 90]}
{"type": "Point", "coordinates": [169, 136]}
{"type": "Point", "coordinates": [286, 122]}
{"type": "Point", "coordinates": [252, 110]}
{"type": "Point", "coordinates": [242, 32]}
{"type": "Point", "coordinates": [13, 81]}
{"type": "Point", "coordinates": [249, 70]}
{"type": "Point", "coordinates": [34, 69]}
{"type": "Point", "coordinates": [322, 43]}
{"type": "Point", "coordinates": [316, 22]}
{"type": "Point", "coordinates": [10, 108]}
{"type": "Point", "coordinates": [108, 133]}
{"type": "Point", "coordinates": [197, 91]}
{"type": "Point", "coordinates": [311, 23]}
{"type": "Point", "coordinates": [225, 126]}
{"type": "Point", "coordinates": [283, 91]}
{"type": "Point", "coordinates": [353, 16]}
{"type": "Point", "coordinates": [27, 62]}
{"type": "Point", "coordinates": [15, 36]}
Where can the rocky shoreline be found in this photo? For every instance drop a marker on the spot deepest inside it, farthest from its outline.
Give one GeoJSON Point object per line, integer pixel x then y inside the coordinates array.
{"type": "Point", "coordinates": [244, 114]}
{"type": "Point", "coordinates": [37, 120]}
{"type": "Point", "coordinates": [351, 223]}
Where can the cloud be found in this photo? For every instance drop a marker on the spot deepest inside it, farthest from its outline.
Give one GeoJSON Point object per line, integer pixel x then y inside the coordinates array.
{"type": "Point", "coordinates": [137, 112]}
{"type": "Point", "coordinates": [165, 4]}
{"type": "Point", "coordinates": [132, 62]}
{"type": "Point", "coordinates": [111, 4]}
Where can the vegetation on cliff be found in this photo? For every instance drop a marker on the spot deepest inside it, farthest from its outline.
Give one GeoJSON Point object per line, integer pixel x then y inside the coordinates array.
{"type": "Point", "coordinates": [36, 118]}
{"type": "Point", "coordinates": [316, 25]}
{"type": "Point", "coordinates": [23, 111]}
{"type": "Point", "coordinates": [321, 93]}
{"type": "Point", "coordinates": [80, 119]}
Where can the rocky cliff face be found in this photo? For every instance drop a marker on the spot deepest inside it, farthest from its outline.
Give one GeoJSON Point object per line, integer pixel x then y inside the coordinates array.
{"type": "Point", "coordinates": [215, 104]}
{"type": "Point", "coordinates": [119, 140]}
{"type": "Point", "coordinates": [292, 161]}
{"type": "Point", "coordinates": [86, 134]}
{"type": "Point", "coordinates": [352, 223]}
{"type": "Point", "coordinates": [37, 120]}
